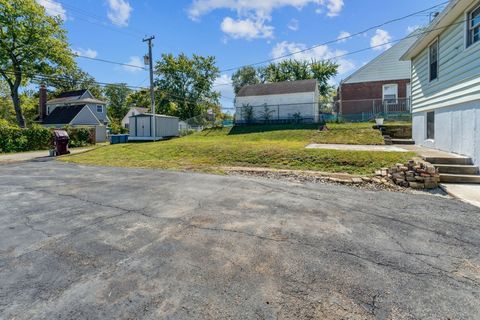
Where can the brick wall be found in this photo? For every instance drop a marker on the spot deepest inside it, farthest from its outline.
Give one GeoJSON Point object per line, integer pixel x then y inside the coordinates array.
{"type": "Point", "coordinates": [357, 97]}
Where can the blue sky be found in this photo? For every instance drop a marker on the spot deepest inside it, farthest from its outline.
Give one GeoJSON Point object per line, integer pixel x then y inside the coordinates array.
{"type": "Point", "coordinates": [236, 32]}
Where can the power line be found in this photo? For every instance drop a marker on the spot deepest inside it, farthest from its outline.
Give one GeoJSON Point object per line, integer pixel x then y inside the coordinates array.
{"type": "Point", "coordinates": [336, 40]}
{"type": "Point", "coordinates": [109, 61]}
{"type": "Point", "coordinates": [416, 34]}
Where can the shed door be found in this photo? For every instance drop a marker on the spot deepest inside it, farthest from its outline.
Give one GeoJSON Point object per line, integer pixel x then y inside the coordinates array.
{"type": "Point", "coordinates": [143, 127]}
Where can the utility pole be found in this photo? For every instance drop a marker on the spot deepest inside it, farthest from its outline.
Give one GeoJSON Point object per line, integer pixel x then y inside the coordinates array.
{"type": "Point", "coordinates": [152, 89]}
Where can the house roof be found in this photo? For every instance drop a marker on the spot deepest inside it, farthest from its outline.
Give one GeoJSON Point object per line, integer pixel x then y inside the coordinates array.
{"type": "Point", "coordinates": [441, 23]}
{"type": "Point", "coordinates": [285, 87]}
{"type": "Point", "coordinates": [69, 94]}
{"type": "Point", "coordinates": [387, 66]}
{"type": "Point", "coordinates": [63, 115]}
{"type": "Point", "coordinates": [141, 110]}
{"type": "Point", "coordinates": [74, 97]}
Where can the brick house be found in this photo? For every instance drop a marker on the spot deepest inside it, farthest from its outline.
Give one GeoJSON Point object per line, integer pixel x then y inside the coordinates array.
{"type": "Point", "coordinates": [380, 85]}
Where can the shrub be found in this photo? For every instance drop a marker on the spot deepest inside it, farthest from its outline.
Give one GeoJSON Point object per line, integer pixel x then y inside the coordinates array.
{"type": "Point", "coordinates": [15, 139]}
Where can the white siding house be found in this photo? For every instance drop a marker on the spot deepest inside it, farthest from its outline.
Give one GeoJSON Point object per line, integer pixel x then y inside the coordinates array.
{"type": "Point", "coordinates": [283, 101]}
{"type": "Point", "coordinates": [132, 112]}
{"type": "Point", "coordinates": [446, 81]}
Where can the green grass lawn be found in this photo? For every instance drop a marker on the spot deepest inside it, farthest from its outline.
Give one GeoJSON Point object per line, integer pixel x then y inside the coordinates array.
{"type": "Point", "coordinates": [256, 146]}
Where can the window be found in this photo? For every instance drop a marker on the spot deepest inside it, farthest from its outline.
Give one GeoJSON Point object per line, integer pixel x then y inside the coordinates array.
{"type": "Point", "coordinates": [390, 93]}
{"type": "Point", "coordinates": [433, 60]}
{"type": "Point", "coordinates": [431, 125]}
{"type": "Point", "coordinates": [473, 27]}
{"type": "Point", "coordinates": [100, 109]}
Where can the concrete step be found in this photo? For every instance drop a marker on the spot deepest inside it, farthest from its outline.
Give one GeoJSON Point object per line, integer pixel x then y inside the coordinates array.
{"type": "Point", "coordinates": [403, 141]}
{"type": "Point", "coordinates": [459, 178]}
{"type": "Point", "coordinates": [449, 160]}
{"type": "Point", "coordinates": [457, 169]}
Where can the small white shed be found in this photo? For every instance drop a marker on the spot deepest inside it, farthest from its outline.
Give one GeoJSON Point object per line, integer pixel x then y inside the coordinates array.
{"type": "Point", "coordinates": [141, 127]}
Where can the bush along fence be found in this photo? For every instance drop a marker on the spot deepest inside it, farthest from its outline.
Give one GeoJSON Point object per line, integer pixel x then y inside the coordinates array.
{"type": "Point", "coordinates": [414, 174]}
{"type": "Point", "coordinates": [14, 139]}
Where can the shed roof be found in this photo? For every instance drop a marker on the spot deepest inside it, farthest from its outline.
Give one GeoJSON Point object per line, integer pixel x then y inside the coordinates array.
{"type": "Point", "coordinates": [63, 115]}
{"type": "Point", "coordinates": [284, 87]}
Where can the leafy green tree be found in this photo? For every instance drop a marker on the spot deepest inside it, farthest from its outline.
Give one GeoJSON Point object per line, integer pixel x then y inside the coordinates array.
{"type": "Point", "coordinates": [188, 82]}
{"type": "Point", "coordinates": [31, 43]}
{"type": "Point", "coordinates": [245, 76]}
{"type": "Point", "coordinates": [74, 79]}
{"type": "Point", "coordinates": [140, 99]}
{"type": "Point", "coordinates": [292, 70]}
{"type": "Point", "coordinates": [117, 95]}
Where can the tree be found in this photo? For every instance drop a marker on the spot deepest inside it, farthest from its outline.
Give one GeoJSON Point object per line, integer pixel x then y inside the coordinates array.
{"type": "Point", "coordinates": [245, 76]}
{"type": "Point", "coordinates": [292, 70]}
{"type": "Point", "coordinates": [188, 82]}
{"type": "Point", "coordinates": [140, 99]}
{"type": "Point", "coordinates": [31, 43]}
{"type": "Point", "coordinates": [117, 95]}
{"type": "Point", "coordinates": [74, 79]}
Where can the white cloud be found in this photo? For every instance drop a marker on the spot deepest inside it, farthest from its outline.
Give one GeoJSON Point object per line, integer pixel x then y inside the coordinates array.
{"type": "Point", "coordinates": [134, 61]}
{"type": "Point", "coordinates": [246, 28]}
{"type": "Point", "coordinates": [293, 25]}
{"type": "Point", "coordinates": [319, 53]}
{"type": "Point", "coordinates": [380, 41]}
{"type": "Point", "coordinates": [334, 7]}
{"type": "Point", "coordinates": [410, 29]}
{"type": "Point", "coordinates": [256, 13]}
{"type": "Point", "coordinates": [343, 36]}
{"type": "Point", "coordinates": [119, 12]}
{"type": "Point", "coordinates": [53, 8]}
{"type": "Point", "coordinates": [89, 53]}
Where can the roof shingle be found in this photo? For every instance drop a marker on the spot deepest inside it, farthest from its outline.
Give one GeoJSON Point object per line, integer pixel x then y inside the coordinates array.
{"type": "Point", "coordinates": [285, 87]}
{"type": "Point", "coordinates": [63, 115]}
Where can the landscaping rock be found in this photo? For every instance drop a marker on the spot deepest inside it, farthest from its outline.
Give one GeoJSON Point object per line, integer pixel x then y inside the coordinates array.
{"type": "Point", "coordinates": [416, 175]}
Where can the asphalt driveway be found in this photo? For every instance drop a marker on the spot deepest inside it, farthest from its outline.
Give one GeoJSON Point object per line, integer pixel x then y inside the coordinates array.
{"type": "Point", "coordinates": [105, 243]}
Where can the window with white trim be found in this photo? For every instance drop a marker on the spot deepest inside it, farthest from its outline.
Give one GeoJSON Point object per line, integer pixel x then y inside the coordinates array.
{"type": "Point", "coordinates": [100, 109]}
{"type": "Point", "coordinates": [433, 60]}
{"type": "Point", "coordinates": [473, 27]}
{"type": "Point", "coordinates": [390, 93]}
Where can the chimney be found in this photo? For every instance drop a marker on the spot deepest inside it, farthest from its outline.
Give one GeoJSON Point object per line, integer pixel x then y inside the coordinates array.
{"type": "Point", "coordinates": [42, 108]}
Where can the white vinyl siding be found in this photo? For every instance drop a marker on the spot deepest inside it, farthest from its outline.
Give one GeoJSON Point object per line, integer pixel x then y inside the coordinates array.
{"type": "Point", "coordinates": [458, 66]}
{"type": "Point", "coordinates": [387, 66]}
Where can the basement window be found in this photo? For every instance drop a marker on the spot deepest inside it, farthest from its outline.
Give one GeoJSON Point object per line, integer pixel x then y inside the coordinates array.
{"type": "Point", "coordinates": [473, 27]}
{"type": "Point", "coordinates": [431, 125]}
{"type": "Point", "coordinates": [433, 60]}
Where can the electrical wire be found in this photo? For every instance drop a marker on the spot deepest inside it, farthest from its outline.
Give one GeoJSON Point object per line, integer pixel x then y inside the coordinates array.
{"type": "Point", "coordinates": [336, 40]}
{"type": "Point", "coordinates": [416, 34]}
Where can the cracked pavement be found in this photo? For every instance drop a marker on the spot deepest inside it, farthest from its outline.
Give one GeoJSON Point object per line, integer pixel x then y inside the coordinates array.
{"type": "Point", "coordinates": [82, 242]}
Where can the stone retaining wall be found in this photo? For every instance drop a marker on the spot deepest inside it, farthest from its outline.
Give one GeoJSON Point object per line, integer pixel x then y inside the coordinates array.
{"type": "Point", "coordinates": [414, 174]}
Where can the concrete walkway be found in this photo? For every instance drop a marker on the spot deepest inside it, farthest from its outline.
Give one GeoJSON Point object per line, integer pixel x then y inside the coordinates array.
{"type": "Point", "coordinates": [351, 147]}
{"type": "Point", "coordinates": [28, 156]}
{"type": "Point", "coordinates": [427, 152]}
{"type": "Point", "coordinates": [469, 193]}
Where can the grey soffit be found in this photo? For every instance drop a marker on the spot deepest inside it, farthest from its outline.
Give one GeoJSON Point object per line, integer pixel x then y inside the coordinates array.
{"type": "Point", "coordinates": [63, 115]}
{"type": "Point", "coordinates": [285, 87]}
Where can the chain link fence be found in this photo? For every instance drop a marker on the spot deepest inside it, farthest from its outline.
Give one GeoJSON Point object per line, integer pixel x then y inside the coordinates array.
{"type": "Point", "coordinates": [337, 111]}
